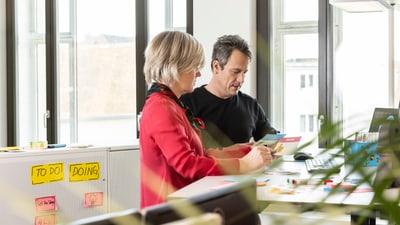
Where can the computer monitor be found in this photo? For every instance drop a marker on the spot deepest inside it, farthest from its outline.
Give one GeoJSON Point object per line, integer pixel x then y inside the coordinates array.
{"type": "Point", "coordinates": [389, 150]}
{"type": "Point", "coordinates": [125, 217]}
{"type": "Point", "coordinates": [236, 203]}
{"type": "Point", "coordinates": [380, 115]}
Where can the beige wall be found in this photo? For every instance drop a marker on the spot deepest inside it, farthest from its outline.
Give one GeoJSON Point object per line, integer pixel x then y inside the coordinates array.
{"type": "Point", "coordinates": [212, 19]}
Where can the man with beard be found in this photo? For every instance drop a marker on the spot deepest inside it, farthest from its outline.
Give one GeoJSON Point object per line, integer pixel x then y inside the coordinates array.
{"type": "Point", "coordinates": [230, 115]}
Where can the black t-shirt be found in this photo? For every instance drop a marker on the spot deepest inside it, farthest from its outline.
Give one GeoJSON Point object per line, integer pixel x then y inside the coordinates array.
{"type": "Point", "coordinates": [228, 121]}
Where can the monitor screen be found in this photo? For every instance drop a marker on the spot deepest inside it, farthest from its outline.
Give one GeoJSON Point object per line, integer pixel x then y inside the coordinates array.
{"type": "Point", "coordinates": [236, 203]}
{"type": "Point", "coordinates": [380, 115]}
{"type": "Point", "coordinates": [126, 217]}
{"type": "Point", "coordinates": [389, 151]}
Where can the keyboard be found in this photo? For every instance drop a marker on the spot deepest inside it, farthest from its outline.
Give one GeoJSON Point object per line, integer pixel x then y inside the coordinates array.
{"type": "Point", "coordinates": [322, 165]}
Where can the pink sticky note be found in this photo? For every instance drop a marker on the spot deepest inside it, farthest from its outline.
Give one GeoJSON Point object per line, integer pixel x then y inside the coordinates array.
{"type": "Point", "coordinates": [49, 219]}
{"type": "Point", "coordinates": [44, 204]}
{"type": "Point", "coordinates": [93, 199]}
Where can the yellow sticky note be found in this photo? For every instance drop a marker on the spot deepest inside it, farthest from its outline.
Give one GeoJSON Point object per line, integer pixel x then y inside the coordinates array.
{"type": "Point", "coordinates": [10, 148]}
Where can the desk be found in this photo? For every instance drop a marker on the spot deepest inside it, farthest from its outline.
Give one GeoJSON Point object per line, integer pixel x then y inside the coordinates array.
{"type": "Point", "coordinates": [311, 195]}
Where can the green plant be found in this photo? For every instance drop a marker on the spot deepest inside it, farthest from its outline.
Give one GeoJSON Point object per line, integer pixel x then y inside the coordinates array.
{"type": "Point", "coordinates": [386, 183]}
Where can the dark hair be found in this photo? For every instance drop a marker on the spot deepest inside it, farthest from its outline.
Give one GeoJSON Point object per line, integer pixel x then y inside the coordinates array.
{"type": "Point", "coordinates": [224, 46]}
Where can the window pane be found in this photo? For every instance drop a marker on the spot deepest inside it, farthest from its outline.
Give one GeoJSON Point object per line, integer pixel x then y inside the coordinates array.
{"type": "Point", "coordinates": [300, 58]}
{"type": "Point", "coordinates": [295, 68]}
{"type": "Point", "coordinates": [300, 10]}
{"type": "Point", "coordinates": [397, 56]}
{"type": "Point", "coordinates": [97, 68]}
{"type": "Point", "coordinates": [156, 17]}
{"type": "Point", "coordinates": [31, 76]}
{"type": "Point", "coordinates": [361, 67]}
{"type": "Point", "coordinates": [166, 15]}
{"type": "Point", "coordinates": [179, 14]}
{"type": "Point", "coordinates": [68, 100]}
{"type": "Point", "coordinates": [65, 15]}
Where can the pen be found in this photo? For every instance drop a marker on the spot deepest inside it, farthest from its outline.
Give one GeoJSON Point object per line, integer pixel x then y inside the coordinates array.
{"type": "Point", "coordinates": [297, 181]}
{"type": "Point", "coordinates": [303, 181]}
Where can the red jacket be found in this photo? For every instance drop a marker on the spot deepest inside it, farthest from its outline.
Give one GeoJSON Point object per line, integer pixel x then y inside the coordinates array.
{"type": "Point", "coordinates": [171, 152]}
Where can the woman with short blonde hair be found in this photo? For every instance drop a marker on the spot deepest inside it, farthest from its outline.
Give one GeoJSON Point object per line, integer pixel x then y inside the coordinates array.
{"type": "Point", "coordinates": [182, 53]}
{"type": "Point", "coordinates": [171, 152]}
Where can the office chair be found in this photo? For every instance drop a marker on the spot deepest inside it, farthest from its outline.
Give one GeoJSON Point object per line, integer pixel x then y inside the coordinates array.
{"type": "Point", "coordinates": [236, 203]}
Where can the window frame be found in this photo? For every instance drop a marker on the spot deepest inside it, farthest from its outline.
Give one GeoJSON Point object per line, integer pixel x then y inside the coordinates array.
{"type": "Point", "coordinates": [12, 112]}
{"type": "Point", "coordinates": [264, 61]}
{"type": "Point", "coordinates": [52, 42]}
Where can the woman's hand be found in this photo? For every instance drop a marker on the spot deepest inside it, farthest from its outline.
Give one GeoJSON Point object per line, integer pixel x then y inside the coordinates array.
{"type": "Point", "coordinates": [259, 156]}
{"type": "Point", "coordinates": [237, 146]}
{"type": "Point", "coordinates": [233, 151]}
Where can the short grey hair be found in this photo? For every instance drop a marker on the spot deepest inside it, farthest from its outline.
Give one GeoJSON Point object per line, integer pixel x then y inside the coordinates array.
{"type": "Point", "coordinates": [224, 47]}
{"type": "Point", "coordinates": [169, 53]}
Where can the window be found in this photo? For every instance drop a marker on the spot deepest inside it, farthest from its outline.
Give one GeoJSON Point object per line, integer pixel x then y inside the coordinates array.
{"type": "Point", "coordinates": [302, 81]}
{"type": "Point", "coordinates": [362, 74]}
{"type": "Point", "coordinates": [166, 15]}
{"type": "Point", "coordinates": [356, 70]}
{"type": "Point", "coordinates": [311, 123]}
{"type": "Point", "coordinates": [97, 79]}
{"type": "Point", "coordinates": [302, 123]}
{"type": "Point", "coordinates": [308, 123]}
{"type": "Point", "coordinates": [311, 80]}
{"type": "Point", "coordinates": [295, 59]}
{"type": "Point", "coordinates": [31, 72]}
{"type": "Point", "coordinates": [92, 76]}
{"type": "Point", "coordinates": [306, 83]}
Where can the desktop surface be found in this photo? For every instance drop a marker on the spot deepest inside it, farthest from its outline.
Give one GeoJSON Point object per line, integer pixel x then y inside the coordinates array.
{"type": "Point", "coordinates": [272, 187]}
{"type": "Point", "coordinates": [276, 188]}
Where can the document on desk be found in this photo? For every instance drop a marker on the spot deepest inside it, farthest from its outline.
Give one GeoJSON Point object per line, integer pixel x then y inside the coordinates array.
{"type": "Point", "coordinates": [287, 145]}
{"type": "Point", "coordinates": [261, 180]}
{"type": "Point", "coordinates": [258, 178]}
{"type": "Point", "coordinates": [282, 171]}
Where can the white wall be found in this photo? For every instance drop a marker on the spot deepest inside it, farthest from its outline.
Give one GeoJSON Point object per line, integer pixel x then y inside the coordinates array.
{"type": "Point", "coordinates": [213, 18]}
{"type": "Point", "coordinates": [3, 86]}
